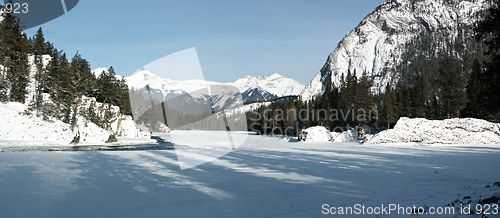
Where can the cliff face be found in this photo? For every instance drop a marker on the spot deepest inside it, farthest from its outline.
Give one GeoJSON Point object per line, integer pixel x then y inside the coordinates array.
{"type": "Point", "coordinates": [377, 45]}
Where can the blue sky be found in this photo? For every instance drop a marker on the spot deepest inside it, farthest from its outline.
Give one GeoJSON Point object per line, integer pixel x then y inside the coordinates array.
{"type": "Point", "coordinates": [233, 39]}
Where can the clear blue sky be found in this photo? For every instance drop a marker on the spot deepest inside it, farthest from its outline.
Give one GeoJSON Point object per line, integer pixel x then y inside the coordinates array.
{"type": "Point", "coordinates": [233, 38]}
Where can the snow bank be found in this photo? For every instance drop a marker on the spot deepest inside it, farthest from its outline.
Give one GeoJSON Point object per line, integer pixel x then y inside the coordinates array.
{"type": "Point", "coordinates": [21, 128]}
{"type": "Point", "coordinates": [14, 125]}
{"type": "Point", "coordinates": [17, 125]}
{"type": "Point", "coordinates": [450, 131]}
{"type": "Point", "coordinates": [315, 134]}
{"type": "Point", "coordinates": [347, 136]}
{"type": "Point", "coordinates": [321, 134]}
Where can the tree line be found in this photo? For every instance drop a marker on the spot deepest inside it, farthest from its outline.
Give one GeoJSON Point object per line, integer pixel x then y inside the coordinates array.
{"type": "Point", "coordinates": [449, 79]}
{"type": "Point", "coordinates": [58, 84]}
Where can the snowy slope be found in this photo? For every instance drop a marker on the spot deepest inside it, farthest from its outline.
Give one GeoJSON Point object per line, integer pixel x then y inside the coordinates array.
{"type": "Point", "coordinates": [18, 128]}
{"type": "Point", "coordinates": [377, 42]}
{"type": "Point", "coordinates": [450, 131]}
{"type": "Point", "coordinates": [21, 128]}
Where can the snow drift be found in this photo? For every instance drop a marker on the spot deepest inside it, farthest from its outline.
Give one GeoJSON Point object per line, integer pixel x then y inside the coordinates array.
{"type": "Point", "coordinates": [322, 134]}
{"type": "Point", "coordinates": [449, 131]}
{"type": "Point", "coordinates": [315, 134]}
{"type": "Point", "coordinates": [346, 136]}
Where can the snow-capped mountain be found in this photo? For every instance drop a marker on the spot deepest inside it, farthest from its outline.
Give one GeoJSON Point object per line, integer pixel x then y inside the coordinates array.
{"type": "Point", "coordinates": [376, 45]}
{"type": "Point", "coordinates": [187, 94]}
{"type": "Point", "coordinates": [263, 88]}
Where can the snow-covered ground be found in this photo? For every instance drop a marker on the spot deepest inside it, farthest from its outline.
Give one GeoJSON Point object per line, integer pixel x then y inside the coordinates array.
{"type": "Point", "coordinates": [18, 128]}
{"type": "Point", "coordinates": [264, 177]}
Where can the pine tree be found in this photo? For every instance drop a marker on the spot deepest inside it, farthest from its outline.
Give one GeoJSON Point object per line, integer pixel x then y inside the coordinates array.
{"type": "Point", "coordinates": [388, 112]}
{"type": "Point", "coordinates": [125, 106]}
{"type": "Point", "coordinates": [488, 31]}
{"type": "Point", "coordinates": [14, 49]}
{"type": "Point", "coordinates": [474, 91]}
{"type": "Point", "coordinates": [452, 88]}
{"type": "Point", "coordinates": [406, 94]}
{"type": "Point", "coordinates": [51, 84]}
{"type": "Point", "coordinates": [40, 81]}
{"type": "Point", "coordinates": [39, 44]}
{"type": "Point", "coordinates": [81, 76]}
{"type": "Point", "coordinates": [365, 102]}
{"type": "Point", "coordinates": [419, 97]}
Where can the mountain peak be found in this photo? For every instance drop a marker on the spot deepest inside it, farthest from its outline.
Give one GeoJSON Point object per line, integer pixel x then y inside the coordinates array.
{"type": "Point", "coordinates": [275, 76]}
{"type": "Point", "coordinates": [145, 75]}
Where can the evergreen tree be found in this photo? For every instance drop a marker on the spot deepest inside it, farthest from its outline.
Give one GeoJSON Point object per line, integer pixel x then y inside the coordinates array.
{"type": "Point", "coordinates": [39, 44]}
{"type": "Point", "coordinates": [488, 31]}
{"type": "Point", "coordinates": [365, 98]}
{"type": "Point", "coordinates": [13, 55]}
{"type": "Point", "coordinates": [388, 112]}
{"type": "Point", "coordinates": [81, 76]}
{"type": "Point", "coordinates": [474, 92]}
{"type": "Point", "coordinates": [39, 81]}
{"type": "Point", "coordinates": [406, 98]}
{"type": "Point", "coordinates": [419, 97]}
{"type": "Point", "coordinates": [452, 88]}
{"type": "Point", "coordinates": [125, 107]}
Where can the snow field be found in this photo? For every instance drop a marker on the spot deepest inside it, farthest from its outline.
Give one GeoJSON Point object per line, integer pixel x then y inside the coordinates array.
{"type": "Point", "coordinates": [264, 177]}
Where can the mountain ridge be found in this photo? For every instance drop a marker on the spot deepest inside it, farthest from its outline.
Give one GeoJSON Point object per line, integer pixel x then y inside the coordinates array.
{"type": "Point", "coordinates": [378, 43]}
{"type": "Point", "coordinates": [259, 88]}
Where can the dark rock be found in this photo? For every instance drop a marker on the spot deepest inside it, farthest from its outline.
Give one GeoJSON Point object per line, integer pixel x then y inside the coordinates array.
{"type": "Point", "coordinates": [76, 139]}
{"type": "Point", "coordinates": [497, 184]}
{"type": "Point", "coordinates": [466, 197]}
{"type": "Point", "coordinates": [111, 139]}
{"type": "Point", "coordinates": [302, 136]}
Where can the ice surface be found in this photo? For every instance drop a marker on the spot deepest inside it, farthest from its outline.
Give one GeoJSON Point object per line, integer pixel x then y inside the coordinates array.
{"type": "Point", "coordinates": [265, 177]}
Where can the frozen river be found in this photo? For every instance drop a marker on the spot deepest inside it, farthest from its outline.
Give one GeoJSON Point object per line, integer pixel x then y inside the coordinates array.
{"type": "Point", "coordinates": [264, 177]}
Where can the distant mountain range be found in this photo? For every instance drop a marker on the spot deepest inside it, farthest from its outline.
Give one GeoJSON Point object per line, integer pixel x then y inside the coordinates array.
{"type": "Point", "coordinates": [190, 94]}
